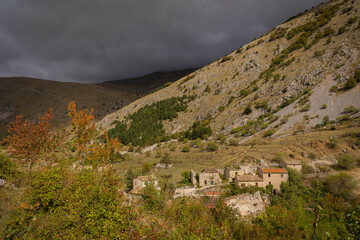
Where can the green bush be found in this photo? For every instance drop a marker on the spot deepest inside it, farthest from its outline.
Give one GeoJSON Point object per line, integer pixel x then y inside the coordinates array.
{"type": "Point", "coordinates": [334, 88]}
{"type": "Point", "coordinates": [325, 120]}
{"type": "Point", "coordinates": [269, 132]}
{"type": "Point", "coordinates": [350, 83]}
{"type": "Point", "coordinates": [211, 147]}
{"type": "Point", "coordinates": [226, 58]}
{"type": "Point", "coordinates": [185, 149]}
{"type": "Point", "coordinates": [305, 108]}
{"type": "Point", "coordinates": [221, 108]}
{"type": "Point", "coordinates": [351, 109]}
{"type": "Point", "coordinates": [306, 168]}
{"type": "Point", "coordinates": [346, 162]}
{"type": "Point", "coordinates": [357, 75]}
{"type": "Point", "coordinates": [278, 158]}
{"type": "Point", "coordinates": [247, 110]}
{"type": "Point", "coordinates": [342, 30]}
{"type": "Point", "coordinates": [233, 142]}
{"type": "Point", "coordinates": [340, 184]}
{"type": "Point", "coordinates": [324, 106]}
{"type": "Point", "coordinates": [7, 168]}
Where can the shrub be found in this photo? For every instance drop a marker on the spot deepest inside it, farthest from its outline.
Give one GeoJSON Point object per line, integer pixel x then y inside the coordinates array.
{"type": "Point", "coordinates": [352, 20]}
{"type": "Point", "coordinates": [324, 106]}
{"type": "Point", "coordinates": [325, 120]}
{"type": "Point", "coordinates": [269, 132]}
{"type": "Point", "coordinates": [221, 108]}
{"type": "Point", "coordinates": [305, 108]}
{"type": "Point", "coordinates": [333, 143]}
{"type": "Point", "coordinates": [226, 58]}
{"type": "Point", "coordinates": [350, 83]}
{"type": "Point", "coordinates": [7, 168]}
{"type": "Point", "coordinates": [207, 89]}
{"type": "Point", "coordinates": [357, 75]}
{"type": "Point", "coordinates": [211, 147]}
{"type": "Point", "coordinates": [233, 142]}
{"type": "Point", "coordinates": [186, 177]}
{"type": "Point", "coordinates": [166, 159]}
{"type": "Point", "coordinates": [312, 156]}
{"type": "Point", "coordinates": [351, 109]}
{"type": "Point", "coordinates": [334, 88]}
{"type": "Point", "coordinates": [346, 162]}
{"type": "Point", "coordinates": [342, 30]}
{"type": "Point", "coordinates": [278, 158]}
{"type": "Point", "coordinates": [340, 185]}
{"type": "Point", "coordinates": [306, 168]}
{"type": "Point", "coordinates": [244, 92]}
{"type": "Point", "coordinates": [247, 110]}
{"type": "Point", "coordinates": [185, 149]}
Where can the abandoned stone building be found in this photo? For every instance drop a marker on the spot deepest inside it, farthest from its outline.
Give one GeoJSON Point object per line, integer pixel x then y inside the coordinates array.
{"type": "Point", "coordinates": [267, 176]}
{"type": "Point", "coordinates": [208, 176]}
{"type": "Point", "coordinates": [231, 173]}
{"type": "Point", "coordinates": [291, 163]}
{"type": "Point", "coordinates": [141, 181]}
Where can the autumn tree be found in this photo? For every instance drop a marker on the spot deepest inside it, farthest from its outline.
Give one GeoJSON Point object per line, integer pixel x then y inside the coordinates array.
{"type": "Point", "coordinates": [82, 127]}
{"type": "Point", "coordinates": [30, 141]}
{"type": "Point", "coordinates": [101, 153]}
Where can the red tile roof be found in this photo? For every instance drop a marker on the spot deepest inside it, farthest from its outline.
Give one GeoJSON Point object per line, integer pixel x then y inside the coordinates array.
{"type": "Point", "coordinates": [274, 170]}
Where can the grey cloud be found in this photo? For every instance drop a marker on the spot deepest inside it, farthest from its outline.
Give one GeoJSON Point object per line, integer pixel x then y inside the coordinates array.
{"type": "Point", "coordinates": [99, 40]}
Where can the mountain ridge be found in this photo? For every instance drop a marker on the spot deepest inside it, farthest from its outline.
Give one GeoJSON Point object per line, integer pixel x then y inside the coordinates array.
{"type": "Point", "coordinates": [278, 69]}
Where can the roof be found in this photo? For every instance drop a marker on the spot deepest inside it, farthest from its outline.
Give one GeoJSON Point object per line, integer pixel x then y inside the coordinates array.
{"type": "Point", "coordinates": [147, 178]}
{"type": "Point", "coordinates": [249, 178]}
{"type": "Point", "coordinates": [293, 162]}
{"type": "Point", "coordinates": [273, 170]}
{"type": "Point", "coordinates": [210, 170]}
{"type": "Point", "coordinates": [135, 191]}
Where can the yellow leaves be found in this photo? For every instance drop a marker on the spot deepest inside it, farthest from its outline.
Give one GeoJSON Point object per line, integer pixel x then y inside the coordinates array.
{"type": "Point", "coordinates": [100, 153]}
{"type": "Point", "coordinates": [83, 128]}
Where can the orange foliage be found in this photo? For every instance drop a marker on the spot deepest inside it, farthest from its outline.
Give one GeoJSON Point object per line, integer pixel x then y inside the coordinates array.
{"type": "Point", "coordinates": [29, 140]}
{"type": "Point", "coordinates": [98, 154]}
{"type": "Point", "coordinates": [82, 126]}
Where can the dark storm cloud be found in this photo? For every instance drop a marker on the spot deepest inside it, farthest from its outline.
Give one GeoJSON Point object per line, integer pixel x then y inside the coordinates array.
{"type": "Point", "coordinates": [97, 40]}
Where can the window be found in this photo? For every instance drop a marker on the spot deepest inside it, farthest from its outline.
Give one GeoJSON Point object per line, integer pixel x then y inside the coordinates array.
{"type": "Point", "coordinates": [294, 165]}
{"type": "Point", "coordinates": [269, 175]}
{"type": "Point", "coordinates": [212, 182]}
{"type": "Point", "coordinates": [205, 182]}
{"type": "Point", "coordinates": [269, 183]}
{"type": "Point", "coordinates": [282, 175]}
{"type": "Point", "coordinates": [256, 184]}
{"type": "Point", "coordinates": [243, 184]}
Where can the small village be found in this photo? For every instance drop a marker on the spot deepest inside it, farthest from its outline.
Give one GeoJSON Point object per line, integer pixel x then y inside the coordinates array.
{"type": "Point", "coordinates": [207, 183]}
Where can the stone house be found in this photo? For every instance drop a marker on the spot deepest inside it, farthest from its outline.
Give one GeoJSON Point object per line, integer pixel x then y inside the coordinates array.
{"type": "Point", "coordinates": [209, 176]}
{"type": "Point", "coordinates": [273, 176]}
{"type": "Point", "coordinates": [291, 163]}
{"type": "Point", "coordinates": [141, 181]}
{"type": "Point", "coordinates": [248, 180]}
{"type": "Point", "coordinates": [231, 173]}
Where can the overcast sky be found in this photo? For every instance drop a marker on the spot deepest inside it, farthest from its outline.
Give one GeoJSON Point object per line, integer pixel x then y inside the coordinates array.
{"type": "Point", "coordinates": [100, 40]}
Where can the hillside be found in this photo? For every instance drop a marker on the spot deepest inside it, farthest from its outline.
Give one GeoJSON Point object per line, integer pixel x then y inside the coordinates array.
{"type": "Point", "coordinates": [279, 82]}
{"type": "Point", "coordinates": [29, 96]}
{"type": "Point", "coordinates": [144, 84]}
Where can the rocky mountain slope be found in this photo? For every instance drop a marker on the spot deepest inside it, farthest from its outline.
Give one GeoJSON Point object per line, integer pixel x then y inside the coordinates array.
{"type": "Point", "coordinates": [291, 79]}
